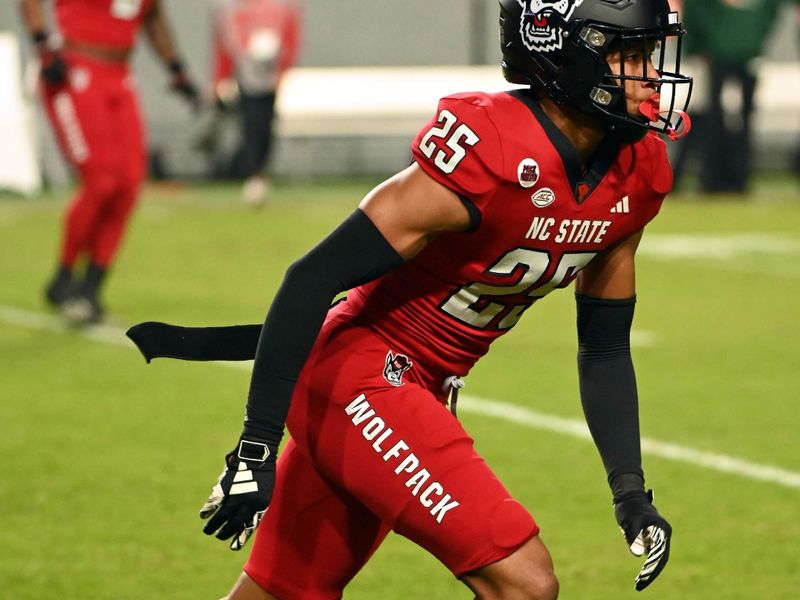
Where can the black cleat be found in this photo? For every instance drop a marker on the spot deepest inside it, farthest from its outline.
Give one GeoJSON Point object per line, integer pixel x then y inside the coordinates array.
{"type": "Point", "coordinates": [59, 289]}
{"type": "Point", "coordinates": [82, 308]}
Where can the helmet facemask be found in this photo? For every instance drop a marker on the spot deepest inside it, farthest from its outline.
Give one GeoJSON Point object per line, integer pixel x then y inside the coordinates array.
{"type": "Point", "coordinates": [665, 112]}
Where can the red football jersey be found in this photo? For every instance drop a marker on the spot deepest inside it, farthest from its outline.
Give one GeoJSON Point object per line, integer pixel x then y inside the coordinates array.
{"type": "Point", "coordinates": [257, 40]}
{"type": "Point", "coordinates": [538, 221]}
{"type": "Point", "coordinates": [108, 23]}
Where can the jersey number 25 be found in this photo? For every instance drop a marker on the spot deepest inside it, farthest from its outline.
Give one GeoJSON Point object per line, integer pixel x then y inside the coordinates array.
{"type": "Point", "coordinates": [455, 140]}
{"type": "Point", "coordinates": [480, 304]}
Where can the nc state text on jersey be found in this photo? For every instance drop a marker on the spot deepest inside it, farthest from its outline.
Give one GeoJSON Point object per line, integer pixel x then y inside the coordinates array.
{"type": "Point", "coordinates": [568, 231]}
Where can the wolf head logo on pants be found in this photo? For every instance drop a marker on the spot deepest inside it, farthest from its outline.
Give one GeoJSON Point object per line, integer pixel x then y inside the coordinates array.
{"type": "Point", "coordinates": [396, 365]}
{"type": "Point", "coordinates": [538, 33]}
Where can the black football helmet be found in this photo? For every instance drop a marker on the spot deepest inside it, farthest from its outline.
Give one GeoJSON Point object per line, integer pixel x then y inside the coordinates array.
{"type": "Point", "coordinates": [559, 47]}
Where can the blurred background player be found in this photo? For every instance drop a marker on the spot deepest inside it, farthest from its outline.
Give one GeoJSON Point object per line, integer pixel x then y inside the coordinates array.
{"type": "Point", "coordinates": [90, 98]}
{"type": "Point", "coordinates": [729, 35]}
{"type": "Point", "coordinates": [255, 42]}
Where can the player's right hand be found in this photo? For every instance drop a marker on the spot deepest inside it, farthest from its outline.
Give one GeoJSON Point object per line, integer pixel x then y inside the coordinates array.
{"type": "Point", "coordinates": [646, 532]}
{"type": "Point", "coordinates": [240, 497]}
{"type": "Point", "coordinates": [54, 68]}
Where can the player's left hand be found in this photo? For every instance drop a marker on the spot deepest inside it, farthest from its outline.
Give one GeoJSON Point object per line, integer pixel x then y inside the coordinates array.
{"type": "Point", "coordinates": [242, 493]}
{"type": "Point", "coordinates": [646, 532]}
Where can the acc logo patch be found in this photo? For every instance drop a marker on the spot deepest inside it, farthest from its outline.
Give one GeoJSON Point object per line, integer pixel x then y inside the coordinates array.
{"type": "Point", "coordinates": [528, 172]}
{"type": "Point", "coordinates": [538, 33]}
{"type": "Point", "coordinates": [396, 365]}
{"type": "Point", "coordinates": [543, 198]}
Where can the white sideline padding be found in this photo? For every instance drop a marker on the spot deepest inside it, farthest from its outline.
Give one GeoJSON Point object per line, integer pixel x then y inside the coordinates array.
{"type": "Point", "coordinates": [366, 101]}
{"type": "Point", "coordinates": [19, 168]}
{"type": "Point", "coordinates": [369, 101]}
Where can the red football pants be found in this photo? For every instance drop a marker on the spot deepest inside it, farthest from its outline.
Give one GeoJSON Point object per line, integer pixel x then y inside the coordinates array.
{"type": "Point", "coordinates": [369, 455]}
{"type": "Point", "coordinates": [97, 122]}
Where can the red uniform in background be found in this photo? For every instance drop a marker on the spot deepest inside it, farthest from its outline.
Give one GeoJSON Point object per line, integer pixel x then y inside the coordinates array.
{"type": "Point", "coordinates": [373, 448]}
{"type": "Point", "coordinates": [98, 123]}
{"type": "Point", "coordinates": [255, 42]}
{"type": "Point", "coordinates": [90, 97]}
{"type": "Point", "coordinates": [106, 23]}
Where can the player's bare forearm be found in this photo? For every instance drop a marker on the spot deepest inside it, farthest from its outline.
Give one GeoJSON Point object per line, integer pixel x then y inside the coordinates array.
{"type": "Point", "coordinates": [160, 36]}
{"type": "Point", "coordinates": [52, 67]}
{"type": "Point", "coordinates": [612, 274]}
{"type": "Point", "coordinates": [32, 15]}
{"type": "Point", "coordinates": [155, 24]}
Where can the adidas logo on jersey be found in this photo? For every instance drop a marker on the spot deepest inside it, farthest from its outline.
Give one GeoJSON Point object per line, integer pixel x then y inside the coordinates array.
{"type": "Point", "coordinates": [622, 207]}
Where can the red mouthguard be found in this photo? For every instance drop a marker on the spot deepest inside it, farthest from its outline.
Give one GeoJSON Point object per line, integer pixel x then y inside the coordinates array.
{"type": "Point", "coordinates": [651, 108]}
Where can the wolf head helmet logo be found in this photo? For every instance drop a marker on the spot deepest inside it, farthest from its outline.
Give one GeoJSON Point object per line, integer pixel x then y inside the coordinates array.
{"type": "Point", "coordinates": [538, 32]}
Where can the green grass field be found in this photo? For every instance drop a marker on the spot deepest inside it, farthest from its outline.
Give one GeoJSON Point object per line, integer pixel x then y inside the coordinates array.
{"type": "Point", "coordinates": [105, 460]}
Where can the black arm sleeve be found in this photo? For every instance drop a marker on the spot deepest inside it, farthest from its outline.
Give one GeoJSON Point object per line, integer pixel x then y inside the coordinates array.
{"type": "Point", "coordinates": [355, 253]}
{"type": "Point", "coordinates": [608, 382]}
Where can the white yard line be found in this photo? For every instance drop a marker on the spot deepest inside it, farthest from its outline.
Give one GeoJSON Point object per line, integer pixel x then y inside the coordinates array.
{"type": "Point", "coordinates": [106, 334]}
{"type": "Point", "coordinates": [577, 428]}
{"type": "Point", "coordinates": [516, 415]}
{"type": "Point", "coordinates": [718, 247]}
{"type": "Point", "coordinates": [736, 252]}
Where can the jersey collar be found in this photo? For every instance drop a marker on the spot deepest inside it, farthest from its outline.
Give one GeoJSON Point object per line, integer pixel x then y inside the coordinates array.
{"type": "Point", "coordinates": [582, 185]}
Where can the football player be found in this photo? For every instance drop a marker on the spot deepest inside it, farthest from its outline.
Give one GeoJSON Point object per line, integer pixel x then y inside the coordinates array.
{"type": "Point", "coordinates": [90, 98]}
{"type": "Point", "coordinates": [255, 43]}
{"type": "Point", "coordinates": [510, 196]}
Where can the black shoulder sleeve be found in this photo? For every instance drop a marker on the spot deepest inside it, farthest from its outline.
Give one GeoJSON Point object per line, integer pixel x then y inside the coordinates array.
{"type": "Point", "coordinates": [608, 383]}
{"type": "Point", "coordinates": [355, 253]}
{"type": "Point", "coordinates": [474, 213]}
